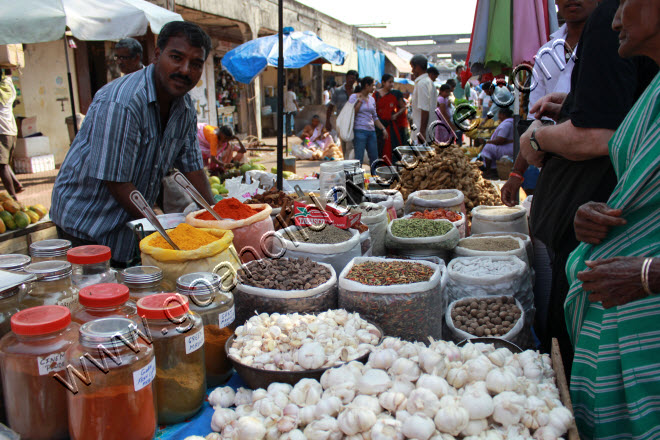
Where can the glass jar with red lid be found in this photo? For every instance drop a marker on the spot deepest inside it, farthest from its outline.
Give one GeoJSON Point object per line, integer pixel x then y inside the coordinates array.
{"type": "Point", "coordinates": [30, 356]}
{"type": "Point", "coordinates": [178, 342]}
{"type": "Point", "coordinates": [103, 301]}
{"type": "Point", "coordinates": [118, 404]}
{"type": "Point", "coordinates": [91, 265]}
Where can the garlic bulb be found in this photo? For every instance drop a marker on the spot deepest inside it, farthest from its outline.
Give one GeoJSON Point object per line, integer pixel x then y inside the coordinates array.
{"type": "Point", "coordinates": [328, 406]}
{"type": "Point", "coordinates": [222, 397]}
{"type": "Point", "coordinates": [326, 428]}
{"type": "Point", "coordinates": [437, 385]}
{"type": "Point", "coordinates": [194, 437]}
{"type": "Point", "coordinates": [296, 434]}
{"type": "Point", "coordinates": [336, 376]}
{"type": "Point", "coordinates": [475, 427]}
{"type": "Point", "coordinates": [244, 410]}
{"type": "Point", "coordinates": [477, 401]}
{"type": "Point", "coordinates": [451, 419]}
{"type": "Point", "coordinates": [355, 420]}
{"type": "Point", "coordinates": [392, 401]}
{"type": "Point", "coordinates": [374, 382]}
{"type": "Point", "coordinates": [422, 401]}
{"type": "Point", "coordinates": [457, 377]}
{"type": "Point", "coordinates": [345, 393]}
{"type": "Point", "coordinates": [500, 356]}
{"type": "Point", "coordinates": [306, 392]}
{"type": "Point", "coordinates": [306, 415]}
{"type": "Point", "coordinates": [387, 429]}
{"type": "Point", "coordinates": [418, 427]}
{"type": "Point", "coordinates": [546, 433]}
{"type": "Point", "coordinates": [276, 387]}
{"type": "Point", "coordinates": [243, 397]}
{"type": "Point", "coordinates": [509, 408]}
{"type": "Point", "coordinates": [213, 436]}
{"type": "Point", "coordinates": [432, 362]}
{"type": "Point", "coordinates": [402, 386]}
{"type": "Point", "coordinates": [402, 415]}
{"type": "Point", "coordinates": [259, 394]}
{"type": "Point", "coordinates": [560, 419]}
{"type": "Point", "coordinates": [405, 369]}
{"type": "Point", "coordinates": [267, 407]}
{"type": "Point", "coordinates": [369, 402]}
{"type": "Point", "coordinates": [478, 368]}
{"type": "Point", "coordinates": [221, 418]}
{"type": "Point", "coordinates": [383, 359]}
{"type": "Point", "coordinates": [249, 428]}
{"type": "Point", "coordinates": [499, 380]}
{"type": "Point", "coordinates": [286, 424]}
{"type": "Point", "coordinates": [310, 356]}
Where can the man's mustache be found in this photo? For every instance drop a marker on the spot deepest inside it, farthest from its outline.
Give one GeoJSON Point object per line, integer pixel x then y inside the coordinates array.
{"type": "Point", "coordinates": [183, 78]}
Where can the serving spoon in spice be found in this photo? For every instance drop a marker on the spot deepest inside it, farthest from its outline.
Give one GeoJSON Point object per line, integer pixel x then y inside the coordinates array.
{"type": "Point", "coordinates": [190, 189]}
{"type": "Point", "coordinates": [141, 204]}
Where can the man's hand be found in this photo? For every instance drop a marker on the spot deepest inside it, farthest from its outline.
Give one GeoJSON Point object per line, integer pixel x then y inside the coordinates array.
{"type": "Point", "coordinates": [613, 281]}
{"type": "Point", "coordinates": [509, 191]}
{"type": "Point", "coordinates": [593, 221]}
{"type": "Point", "coordinates": [532, 157]}
{"type": "Point", "coordinates": [549, 106]}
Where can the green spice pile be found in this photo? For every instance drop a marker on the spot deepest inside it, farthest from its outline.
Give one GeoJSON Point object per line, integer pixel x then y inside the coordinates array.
{"type": "Point", "coordinates": [416, 228]}
{"type": "Point", "coordinates": [374, 273]}
{"type": "Point", "coordinates": [328, 234]}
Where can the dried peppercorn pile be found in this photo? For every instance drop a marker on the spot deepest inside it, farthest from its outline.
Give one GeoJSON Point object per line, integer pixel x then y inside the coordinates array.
{"type": "Point", "coordinates": [373, 273]}
{"type": "Point", "coordinates": [416, 228]}
{"type": "Point", "coordinates": [285, 274]}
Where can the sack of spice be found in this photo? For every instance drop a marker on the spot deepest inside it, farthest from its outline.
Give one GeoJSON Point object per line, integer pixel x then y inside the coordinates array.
{"type": "Point", "coordinates": [420, 237]}
{"type": "Point", "coordinates": [375, 217]}
{"type": "Point", "coordinates": [499, 219]}
{"type": "Point", "coordinates": [403, 297]}
{"type": "Point", "coordinates": [284, 285]}
{"type": "Point", "coordinates": [527, 241]}
{"type": "Point", "coordinates": [491, 276]}
{"type": "Point", "coordinates": [451, 199]}
{"type": "Point", "coordinates": [490, 319]}
{"type": "Point", "coordinates": [202, 250]}
{"type": "Point", "coordinates": [391, 199]}
{"type": "Point", "coordinates": [249, 223]}
{"type": "Point", "coordinates": [328, 244]}
{"type": "Point", "coordinates": [431, 214]}
{"type": "Point", "coordinates": [491, 246]}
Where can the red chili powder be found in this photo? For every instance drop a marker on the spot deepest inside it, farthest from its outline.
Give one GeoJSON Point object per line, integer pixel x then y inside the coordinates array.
{"type": "Point", "coordinates": [230, 208]}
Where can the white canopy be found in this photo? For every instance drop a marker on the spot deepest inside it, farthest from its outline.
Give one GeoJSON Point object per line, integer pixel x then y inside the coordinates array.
{"type": "Point", "coordinates": [34, 21]}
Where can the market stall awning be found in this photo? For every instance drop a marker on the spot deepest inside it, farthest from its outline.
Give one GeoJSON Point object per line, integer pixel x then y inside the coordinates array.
{"type": "Point", "coordinates": [401, 65]}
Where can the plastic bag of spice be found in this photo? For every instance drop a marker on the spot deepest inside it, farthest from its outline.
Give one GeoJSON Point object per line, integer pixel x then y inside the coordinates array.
{"type": "Point", "coordinates": [409, 309]}
{"type": "Point", "coordinates": [499, 219]}
{"type": "Point", "coordinates": [515, 335]}
{"type": "Point", "coordinates": [451, 199]}
{"type": "Point", "coordinates": [338, 255]}
{"type": "Point", "coordinates": [491, 276]}
{"type": "Point", "coordinates": [389, 198]}
{"type": "Point", "coordinates": [248, 232]}
{"type": "Point", "coordinates": [436, 245]}
{"type": "Point", "coordinates": [251, 299]}
{"type": "Point", "coordinates": [491, 246]}
{"type": "Point", "coordinates": [375, 217]}
{"type": "Point", "coordinates": [203, 259]}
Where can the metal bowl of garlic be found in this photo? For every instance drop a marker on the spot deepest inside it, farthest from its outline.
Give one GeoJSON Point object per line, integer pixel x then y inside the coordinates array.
{"type": "Point", "coordinates": [497, 342]}
{"type": "Point", "coordinates": [259, 378]}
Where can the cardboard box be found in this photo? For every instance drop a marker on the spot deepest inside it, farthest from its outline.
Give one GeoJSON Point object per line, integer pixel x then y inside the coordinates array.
{"type": "Point", "coordinates": [11, 55]}
{"type": "Point", "coordinates": [30, 165]}
{"type": "Point", "coordinates": [32, 146]}
{"type": "Point", "coordinates": [26, 126]}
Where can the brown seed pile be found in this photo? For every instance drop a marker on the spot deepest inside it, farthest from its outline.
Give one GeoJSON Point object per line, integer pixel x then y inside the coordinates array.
{"type": "Point", "coordinates": [285, 274]}
{"type": "Point", "coordinates": [493, 316]}
{"type": "Point", "coordinates": [500, 244]}
{"type": "Point", "coordinates": [327, 234]}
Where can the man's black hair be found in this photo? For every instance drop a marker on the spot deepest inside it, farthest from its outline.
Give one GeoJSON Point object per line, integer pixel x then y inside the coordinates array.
{"type": "Point", "coordinates": [451, 82]}
{"type": "Point", "coordinates": [444, 87]}
{"type": "Point", "coordinates": [460, 66]}
{"type": "Point", "coordinates": [192, 32]}
{"type": "Point", "coordinates": [133, 46]}
{"type": "Point", "coordinates": [507, 112]}
{"type": "Point", "coordinates": [290, 86]}
{"type": "Point", "coordinates": [354, 73]}
{"type": "Point", "coordinates": [420, 61]}
{"type": "Point", "coordinates": [227, 131]}
{"type": "Point", "coordinates": [432, 71]}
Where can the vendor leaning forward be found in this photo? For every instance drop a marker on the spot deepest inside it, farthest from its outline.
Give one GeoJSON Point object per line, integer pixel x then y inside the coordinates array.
{"type": "Point", "coordinates": [138, 127]}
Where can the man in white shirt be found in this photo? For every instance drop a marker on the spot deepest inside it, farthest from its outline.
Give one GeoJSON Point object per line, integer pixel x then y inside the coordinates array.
{"type": "Point", "coordinates": [485, 99]}
{"type": "Point", "coordinates": [424, 98]}
{"type": "Point", "coordinates": [290, 109]}
{"type": "Point", "coordinates": [8, 132]}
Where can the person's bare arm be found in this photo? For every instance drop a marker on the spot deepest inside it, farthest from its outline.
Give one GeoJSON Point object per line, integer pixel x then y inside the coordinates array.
{"type": "Point", "coordinates": [121, 191]}
{"type": "Point", "coordinates": [423, 124]}
{"type": "Point", "coordinates": [548, 106]}
{"type": "Point", "coordinates": [499, 141]}
{"type": "Point", "coordinates": [402, 108]}
{"type": "Point", "coordinates": [574, 143]}
{"type": "Point", "coordinates": [201, 183]}
{"type": "Point", "coordinates": [240, 144]}
{"type": "Point", "coordinates": [328, 115]}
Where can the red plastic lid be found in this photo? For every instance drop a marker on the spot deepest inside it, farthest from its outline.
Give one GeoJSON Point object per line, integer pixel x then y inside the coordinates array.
{"type": "Point", "coordinates": [103, 295]}
{"type": "Point", "coordinates": [162, 306]}
{"type": "Point", "coordinates": [90, 254]}
{"type": "Point", "coordinates": [40, 320]}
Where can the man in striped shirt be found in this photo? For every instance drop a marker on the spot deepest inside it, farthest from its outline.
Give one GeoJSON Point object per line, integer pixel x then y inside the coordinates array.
{"type": "Point", "coordinates": [138, 127]}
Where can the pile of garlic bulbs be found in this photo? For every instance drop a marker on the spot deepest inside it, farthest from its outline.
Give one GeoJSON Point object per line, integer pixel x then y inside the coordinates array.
{"type": "Point", "coordinates": [295, 342]}
{"type": "Point", "coordinates": [406, 391]}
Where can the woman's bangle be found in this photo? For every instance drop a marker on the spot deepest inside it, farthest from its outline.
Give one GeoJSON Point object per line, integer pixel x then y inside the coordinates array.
{"type": "Point", "coordinates": [646, 268]}
{"type": "Point", "coordinates": [518, 175]}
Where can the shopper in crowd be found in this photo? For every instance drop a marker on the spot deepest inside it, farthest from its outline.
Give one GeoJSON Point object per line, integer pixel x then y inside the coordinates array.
{"type": "Point", "coordinates": [433, 73]}
{"type": "Point", "coordinates": [485, 100]}
{"type": "Point", "coordinates": [366, 121]}
{"type": "Point", "coordinates": [613, 307]}
{"type": "Point", "coordinates": [445, 106]}
{"type": "Point", "coordinates": [574, 153]}
{"type": "Point", "coordinates": [339, 98]}
{"type": "Point", "coordinates": [8, 133]}
{"type": "Point", "coordinates": [393, 114]}
{"type": "Point", "coordinates": [424, 98]}
{"type": "Point", "coordinates": [316, 134]}
{"type": "Point", "coordinates": [128, 54]}
{"type": "Point", "coordinates": [291, 109]}
{"type": "Point", "coordinates": [137, 128]}
{"type": "Point", "coordinates": [326, 94]}
{"type": "Point", "coordinates": [461, 92]}
{"type": "Point", "coordinates": [500, 143]}
{"type": "Point", "coordinates": [217, 147]}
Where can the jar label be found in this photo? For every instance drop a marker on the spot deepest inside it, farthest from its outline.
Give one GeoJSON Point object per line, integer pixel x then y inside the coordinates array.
{"type": "Point", "coordinates": [145, 375]}
{"type": "Point", "coordinates": [194, 342]}
{"type": "Point", "coordinates": [68, 302]}
{"type": "Point", "coordinates": [51, 363]}
{"type": "Point", "coordinates": [226, 318]}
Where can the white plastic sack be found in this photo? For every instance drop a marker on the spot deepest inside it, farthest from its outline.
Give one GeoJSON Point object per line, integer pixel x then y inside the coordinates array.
{"type": "Point", "coordinates": [250, 300]}
{"type": "Point", "coordinates": [377, 225]}
{"type": "Point", "coordinates": [397, 199]}
{"type": "Point", "coordinates": [337, 255]}
{"type": "Point", "coordinates": [415, 202]}
{"type": "Point", "coordinates": [240, 190]}
{"type": "Point", "coordinates": [515, 335]}
{"type": "Point", "coordinates": [422, 246]}
{"type": "Point", "coordinates": [520, 252]}
{"type": "Point", "coordinates": [265, 179]}
{"type": "Point", "coordinates": [345, 121]}
{"type": "Point", "coordinates": [515, 281]}
{"type": "Point", "coordinates": [409, 311]}
{"type": "Point", "coordinates": [516, 221]}
{"type": "Point", "coordinates": [460, 224]}
{"type": "Point", "coordinates": [300, 152]}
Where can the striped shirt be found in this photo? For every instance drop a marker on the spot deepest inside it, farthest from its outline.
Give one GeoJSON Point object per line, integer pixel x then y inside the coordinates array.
{"type": "Point", "coordinates": [121, 141]}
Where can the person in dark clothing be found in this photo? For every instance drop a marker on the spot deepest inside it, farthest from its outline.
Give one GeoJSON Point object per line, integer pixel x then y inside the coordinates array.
{"type": "Point", "coordinates": [574, 153]}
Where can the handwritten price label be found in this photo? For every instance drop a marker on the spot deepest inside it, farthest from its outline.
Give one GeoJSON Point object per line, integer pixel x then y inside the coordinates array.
{"type": "Point", "coordinates": [194, 342]}
{"type": "Point", "coordinates": [226, 318]}
{"type": "Point", "coordinates": [52, 362]}
{"type": "Point", "coordinates": [145, 375]}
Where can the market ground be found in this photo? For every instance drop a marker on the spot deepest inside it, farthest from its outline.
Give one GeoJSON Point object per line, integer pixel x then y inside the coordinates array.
{"type": "Point", "coordinates": [39, 186]}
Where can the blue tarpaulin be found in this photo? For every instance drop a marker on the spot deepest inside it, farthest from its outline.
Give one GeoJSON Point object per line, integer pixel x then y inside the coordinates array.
{"type": "Point", "coordinates": [371, 63]}
{"type": "Point", "coordinates": [248, 60]}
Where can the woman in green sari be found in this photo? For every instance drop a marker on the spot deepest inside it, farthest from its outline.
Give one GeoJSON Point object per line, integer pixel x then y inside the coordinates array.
{"type": "Point", "coordinates": [613, 307]}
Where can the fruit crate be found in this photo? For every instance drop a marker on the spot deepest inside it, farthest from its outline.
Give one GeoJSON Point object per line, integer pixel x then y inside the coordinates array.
{"type": "Point", "coordinates": [37, 164]}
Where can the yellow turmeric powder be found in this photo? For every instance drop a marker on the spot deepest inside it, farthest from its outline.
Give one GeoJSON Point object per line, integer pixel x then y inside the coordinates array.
{"type": "Point", "coordinates": [186, 237]}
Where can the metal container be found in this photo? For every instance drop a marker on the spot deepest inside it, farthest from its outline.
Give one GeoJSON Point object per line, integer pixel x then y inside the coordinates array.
{"type": "Point", "coordinates": [354, 180]}
{"type": "Point", "coordinates": [497, 342]}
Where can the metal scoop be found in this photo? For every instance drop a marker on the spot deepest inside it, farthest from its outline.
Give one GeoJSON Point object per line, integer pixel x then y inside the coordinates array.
{"type": "Point", "coordinates": [142, 205]}
{"type": "Point", "coordinates": [190, 189]}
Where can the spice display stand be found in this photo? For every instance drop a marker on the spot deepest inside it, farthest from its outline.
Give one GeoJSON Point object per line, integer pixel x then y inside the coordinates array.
{"type": "Point", "coordinates": [562, 385]}
{"type": "Point", "coordinates": [18, 241]}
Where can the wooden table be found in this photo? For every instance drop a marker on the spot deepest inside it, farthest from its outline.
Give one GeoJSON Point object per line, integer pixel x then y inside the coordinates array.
{"type": "Point", "coordinates": [18, 241]}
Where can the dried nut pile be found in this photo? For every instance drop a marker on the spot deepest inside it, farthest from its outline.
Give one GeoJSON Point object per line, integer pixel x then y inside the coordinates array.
{"type": "Point", "coordinates": [449, 169]}
{"type": "Point", "coordinates": [295, 342]}
{"type": "Point", "coordinates": [284, 274]}
{"type": "Point", "coordinates": [494, 316]}
{"type": "Point", "coordinates": [494, 244]}
{"type": "Point", "coordinates": [405, 391]}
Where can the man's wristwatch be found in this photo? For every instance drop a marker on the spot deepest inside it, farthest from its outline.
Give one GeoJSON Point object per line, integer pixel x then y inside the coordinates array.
{"type": "Point", "coordinates": [534, 143]}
